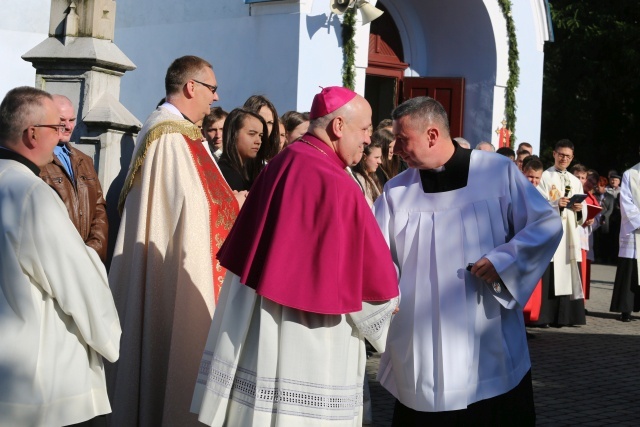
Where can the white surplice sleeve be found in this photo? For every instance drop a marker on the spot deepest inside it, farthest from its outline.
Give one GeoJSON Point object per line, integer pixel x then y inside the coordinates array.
{"type": "Point", "coordinates": [535, 230]}
{"type": "Point", "coordinates": [629, 206]}
{"type": "Point", "coordinates": [373, 321]}
{"type": "Point", "coordinates": [56, 259]}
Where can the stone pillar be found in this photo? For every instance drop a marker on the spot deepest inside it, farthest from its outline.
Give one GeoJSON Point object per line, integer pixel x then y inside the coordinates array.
{"type": "Point", "coordinates": [80, 60]}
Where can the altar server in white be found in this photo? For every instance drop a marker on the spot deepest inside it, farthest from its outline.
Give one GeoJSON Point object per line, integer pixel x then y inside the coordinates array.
{"type": "Point", "coordinates": [457, 350]}
{"type": "Point", "coordinates": [562, 294]}
{"type": "Point", "coordinates": [57, 316]}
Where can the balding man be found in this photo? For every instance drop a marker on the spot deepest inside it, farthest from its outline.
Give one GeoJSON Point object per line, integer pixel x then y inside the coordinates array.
{"type": "Point", "coordinates": [309, 277]}
{"type": "Point", "coordinates": [463, 142]}
{"type": "Point", "coordinates": [469, 256]}
{"type": "Point", "coordinates": [177, 209]}
{"type": "Point", "coordinates": [72, 175]}
{"type": "Point", "coordinates": [57, 316]}
{"type": "Point", "coordinates": [485, 146]}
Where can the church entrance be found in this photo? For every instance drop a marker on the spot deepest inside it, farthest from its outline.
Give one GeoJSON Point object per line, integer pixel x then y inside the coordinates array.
{"type": "Point", "coordinates": [386, 85]}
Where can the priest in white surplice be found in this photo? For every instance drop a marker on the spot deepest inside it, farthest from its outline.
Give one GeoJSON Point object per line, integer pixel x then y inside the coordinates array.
{"type": "Point", "coordinates": [57, 316]}
{"type": "Point", "coordinates": [562, 295]}
{"type": "Point", "coordinates": [471, 237]}
{"type": "Point", "coordinates": [309, 277]}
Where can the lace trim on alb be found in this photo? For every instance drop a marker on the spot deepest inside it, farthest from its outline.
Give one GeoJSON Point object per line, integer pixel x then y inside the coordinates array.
{"type": "Point", "coordinates": [372, 326]}
{"type": "Point", "coordinates": [280, 394]}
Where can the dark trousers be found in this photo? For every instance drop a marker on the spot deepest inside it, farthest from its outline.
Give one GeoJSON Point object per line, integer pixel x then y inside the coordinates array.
{"type": "Point", "coordinates": [514, 408]}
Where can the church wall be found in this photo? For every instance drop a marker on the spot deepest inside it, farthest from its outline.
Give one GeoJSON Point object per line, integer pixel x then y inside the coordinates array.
{"type": "Point", "coordinates": [531, 34]}
{"type": "Point", "coordinates": [250, 54]}
{"type": "Point", "coordinates": [285, 50]}
{"type": "Point", "coordinates": [23, 25]}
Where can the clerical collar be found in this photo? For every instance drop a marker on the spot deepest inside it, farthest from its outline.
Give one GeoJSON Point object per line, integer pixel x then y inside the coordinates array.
{"type": "Point", "coordinates": [172, 108]}
{"type": "Point", "coordinates": [8, 154]}
{"type": "Point", "coordinates": [453, 175]}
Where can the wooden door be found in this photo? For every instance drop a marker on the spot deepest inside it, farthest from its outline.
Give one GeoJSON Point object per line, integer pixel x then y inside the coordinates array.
{"type": "Point", "coordinates": [449, 91]}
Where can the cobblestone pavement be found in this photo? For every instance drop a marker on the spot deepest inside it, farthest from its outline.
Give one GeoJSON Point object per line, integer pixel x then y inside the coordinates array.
{"type": "Point", "coordinates": [582, 376]}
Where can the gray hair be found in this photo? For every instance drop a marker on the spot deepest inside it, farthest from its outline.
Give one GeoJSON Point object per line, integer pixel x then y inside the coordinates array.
{"type": "Point", "coordinates": [423, 110]}
{"type": "Point", "coordinates": [462, 142]}
{"type": "Point", "coordinates": [322, 122]}
{"type": "Point", "coordinates": [488, 144]}
{"type": "Point", "coordinates": [21, 107]}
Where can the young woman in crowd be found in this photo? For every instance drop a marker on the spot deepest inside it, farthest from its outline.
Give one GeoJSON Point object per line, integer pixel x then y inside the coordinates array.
{"type": "Point", "coordinates": [259, 104]}
{"type": "Point", "coordinates": [390, 166]}
{"type": "Point", "coordinates": [295, 125]}
{"type": "Point", "coordinates": [244, 133]}
{"type": "Point", "coordinates": [365, 171]}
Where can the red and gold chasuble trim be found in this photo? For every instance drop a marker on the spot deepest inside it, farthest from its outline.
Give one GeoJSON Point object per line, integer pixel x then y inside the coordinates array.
{"type": "Point", "coordinates": [223, 206]}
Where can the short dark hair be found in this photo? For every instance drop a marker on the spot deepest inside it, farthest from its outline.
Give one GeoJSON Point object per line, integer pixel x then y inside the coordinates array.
{"type": "Point", "coordinates": [20, 108]}
{"type": "Point", "coordinates": [215, 114]}
{"type": "Point", "coordinates": [181, 71]}
{"type": "Point", "coordinates": [564, 143]}
{"type": "Point", "coordinates": [506, 151]}
{"type": "Point", "coordinates": [384, 123]}
{"type": "Point", "coordinates": [579, 168]}
{"type": "Point", "coordinates": [524, 144]}
{"type": "Point", "coordinates": [533, 163]}
{"type": "Point", "coordinates": [425, 108]}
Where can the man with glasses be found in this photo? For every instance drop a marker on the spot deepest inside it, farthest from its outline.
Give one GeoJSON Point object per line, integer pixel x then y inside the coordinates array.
{"type": "Point", "coordinates": [72, 175]}
{"type": "Point", "coordinates": [57, 315]}
{"type": "Point", "coordinates": [562, 296]}
{"type": "Point", "coordinates": [177, 210]}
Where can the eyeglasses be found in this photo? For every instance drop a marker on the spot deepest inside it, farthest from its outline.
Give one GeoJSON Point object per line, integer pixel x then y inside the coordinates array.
{"type": "Point", "coordinates": [564, 156]}
{"type": "Point", "coordinates": [59, 127]}
{"type": "Point", "coordinates": [213, 89]}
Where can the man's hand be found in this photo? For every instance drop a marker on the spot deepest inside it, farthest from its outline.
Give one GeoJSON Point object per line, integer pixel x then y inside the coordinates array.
{"type": "Point", "coordinates": [563, 202]}
{"type": "Point", "coordinates": [241, 196]}
{"type": "Point", "coordinates": [485, 270]}
{"type": "Point", "coordinates": [588, 222]}
{"type": "Point", "coordinates": [576, 207]}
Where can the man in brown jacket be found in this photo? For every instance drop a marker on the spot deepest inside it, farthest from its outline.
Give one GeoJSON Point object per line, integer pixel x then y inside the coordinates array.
{"type": "Point", "coordinates": [72, 175]}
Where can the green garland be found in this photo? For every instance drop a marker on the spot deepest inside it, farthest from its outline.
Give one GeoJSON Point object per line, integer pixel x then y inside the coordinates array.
{"type": "Point", "coordinates": [349, 49]}
{"type": "Point", "coordinates": [349, 54]}
{"type": "Point", "coordinates": [514, 70]}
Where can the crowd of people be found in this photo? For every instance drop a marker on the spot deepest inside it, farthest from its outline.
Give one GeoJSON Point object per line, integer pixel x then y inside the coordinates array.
{"type": "Point", "coordinates": [256, 253]}
{"type": "Point", "coordinates": [592, 233]}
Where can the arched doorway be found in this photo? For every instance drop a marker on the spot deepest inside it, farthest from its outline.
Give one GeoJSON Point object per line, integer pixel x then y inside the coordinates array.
{"type": "Point", "coordinates": [385, 71]}
{"type": "Point", "coordinates": [386, 85]}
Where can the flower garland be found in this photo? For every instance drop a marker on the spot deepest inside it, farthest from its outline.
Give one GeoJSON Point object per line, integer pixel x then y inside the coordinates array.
{"type": "Point", "coordinates": [349, 49]}
{"type": "Point", "coordinates": [514, 70]}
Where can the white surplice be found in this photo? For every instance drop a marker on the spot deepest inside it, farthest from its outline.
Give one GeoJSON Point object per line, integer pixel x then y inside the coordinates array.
{"type": "Point", "coordinates": [630, 211]}
{"type": "Point", "coordinates": [566, 274]}
{"type": "Point", "coordinates": [57, 315]}
{"type": "Point", "coordinates": [457, 340]}
{"type": "Point", "coordinates": [269, 365]}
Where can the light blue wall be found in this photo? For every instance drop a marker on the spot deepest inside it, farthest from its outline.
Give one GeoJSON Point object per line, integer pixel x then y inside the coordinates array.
{"type": "Point", "coordinates": [529, 93]}
{"type": "Point", "coordinates": [285, 50]}
{"type": "Point", "coordinates": [249, 54]}
{"type": "Point", "coordinates": [23, 25]}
